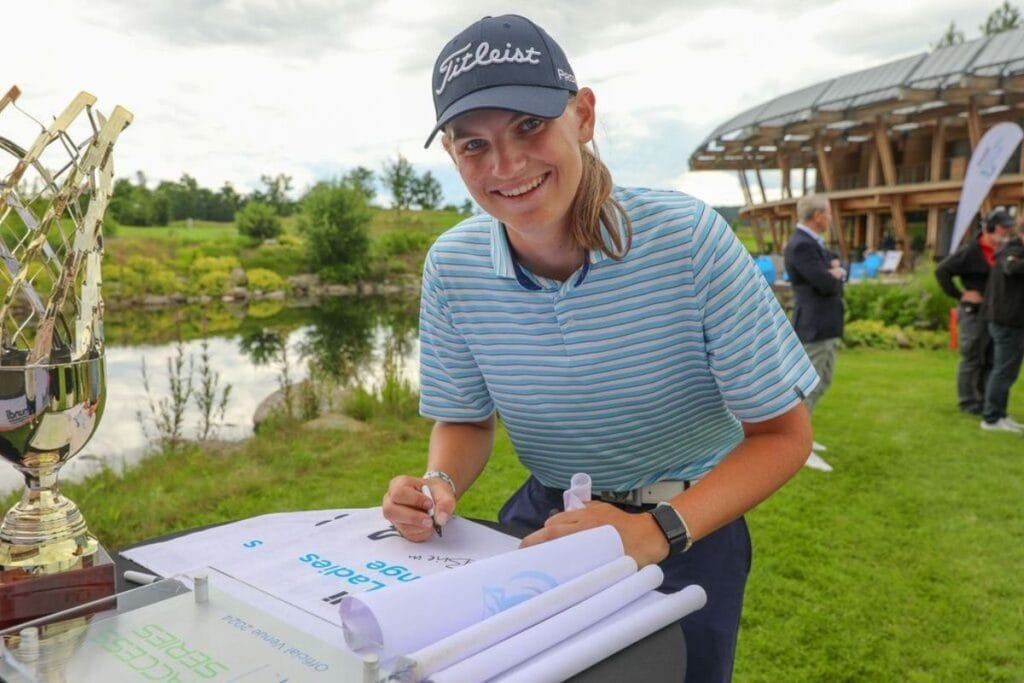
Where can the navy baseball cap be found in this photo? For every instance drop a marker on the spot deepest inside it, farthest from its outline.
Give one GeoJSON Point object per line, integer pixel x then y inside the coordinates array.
{"type": "Point", "coordinates": [998, 218]}
{"type": "Point", "coordinates": [505, 62]}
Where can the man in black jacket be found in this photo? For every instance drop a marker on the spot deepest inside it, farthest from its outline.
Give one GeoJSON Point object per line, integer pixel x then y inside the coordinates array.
{"type": "Point", "coordinates": [1004, 310]}
{"type": "Point", "coordinates": [971, 264]}
{"type": "Point", "coordinates": [817, 281]}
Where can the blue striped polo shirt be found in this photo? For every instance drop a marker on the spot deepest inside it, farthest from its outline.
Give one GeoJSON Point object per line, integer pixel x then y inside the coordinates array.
{"type": "Point", "coordinates": [633, 370]}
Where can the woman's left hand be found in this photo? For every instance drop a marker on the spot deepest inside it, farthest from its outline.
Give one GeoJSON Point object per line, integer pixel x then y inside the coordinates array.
{"type": "Point", "coordinates": [641, 536]}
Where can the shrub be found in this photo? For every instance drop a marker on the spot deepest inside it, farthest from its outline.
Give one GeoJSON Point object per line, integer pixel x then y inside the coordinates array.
{"type": "Point", "coordinates": [876, 334]}
{"type": "Point", "coordinates": [919, 303]}
{"type": "Point", "coordinates": [141, 275]}
{"type": "Point", "coordinates": [335, 221]}
{"type": "Point", "coordinates": [258, 221]}
{"type": "Point", "coordinates": [264, 280]}
{"type": "Point", "coordinates": [208, 264]}
{"type": "Point", "coordinates": [214, 283]}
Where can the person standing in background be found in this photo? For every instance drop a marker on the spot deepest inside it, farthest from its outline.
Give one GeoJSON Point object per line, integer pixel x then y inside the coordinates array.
{"type": "Point", "coordinates": [972, 264]}
{"type": "Point", "coordinates": [1004, 311]}
{"type": "Point", "coordinates": [817, 281]}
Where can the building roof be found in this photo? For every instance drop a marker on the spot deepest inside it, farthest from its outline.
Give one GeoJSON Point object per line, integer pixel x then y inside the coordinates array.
{"type": "Point", "coordinates": [987, 66]}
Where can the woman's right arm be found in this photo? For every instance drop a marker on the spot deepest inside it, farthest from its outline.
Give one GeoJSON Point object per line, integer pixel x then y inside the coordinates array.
{"type": "Point", "coordinates": [459, 449]}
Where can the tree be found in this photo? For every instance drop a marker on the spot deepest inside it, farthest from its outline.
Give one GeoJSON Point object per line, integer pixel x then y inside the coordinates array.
{"type": "Point", "coordinates": [399, 178]}
{"type": "Point", "coordinates": [136, 205]}
{"type": "Point", "coordinates": [276, 193]}
{"type": "Point", "coordinates": [362, 179]}
{"type": "Point", "coordinates": [1006, 17]}
{"type": "Point", "coordinates": [258, 221]}
{"type": "Point", "coordinates": [952, 36]}
{"type": "Point", "coordinates": [426, 191]}
{"type": "Point", "coordinates": [335, 222]}
{"type": "Point", "coordinates": [467, 206]}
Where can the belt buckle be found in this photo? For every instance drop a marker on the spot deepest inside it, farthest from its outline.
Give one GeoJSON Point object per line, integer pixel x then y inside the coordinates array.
{"type": "Point", "coordinates": [630, 497]}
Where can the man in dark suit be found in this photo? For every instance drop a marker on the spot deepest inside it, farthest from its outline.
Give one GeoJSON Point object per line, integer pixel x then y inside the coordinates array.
{"type": "Point", "coordinates": [817, 281]}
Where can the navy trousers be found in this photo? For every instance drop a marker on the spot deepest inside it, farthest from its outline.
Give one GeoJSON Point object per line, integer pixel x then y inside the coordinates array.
{"type": "Point", "coordinates": [719, 563]}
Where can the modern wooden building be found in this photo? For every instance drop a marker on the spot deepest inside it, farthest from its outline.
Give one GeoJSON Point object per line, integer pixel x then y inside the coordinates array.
{"type": "Point", "coordinates": [888, 145]}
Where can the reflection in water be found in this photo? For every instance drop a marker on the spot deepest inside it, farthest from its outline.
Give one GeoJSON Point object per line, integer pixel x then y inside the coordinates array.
{"type": "Point", "coordinates": [345, 340]}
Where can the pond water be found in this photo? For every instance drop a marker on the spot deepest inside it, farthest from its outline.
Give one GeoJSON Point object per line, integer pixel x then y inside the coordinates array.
{"type": "Point", "coordinates": [344, 339]}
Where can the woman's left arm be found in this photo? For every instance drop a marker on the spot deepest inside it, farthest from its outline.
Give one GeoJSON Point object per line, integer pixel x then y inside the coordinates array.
{"type": "Point", "coordinates": [770, 454]}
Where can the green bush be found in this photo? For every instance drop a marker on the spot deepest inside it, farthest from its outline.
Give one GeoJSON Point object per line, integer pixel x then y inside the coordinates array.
{"type": "Point", "coordinates": [919, 303]}
{"type": "Point", "coordinates": [209, 264]}
{"type": "Point", "coordinates": [213, 283]}
{"type": "Point", "coordinates": [258, 221]}
{"type": "Point", "coordinates": [141, 275]}
{"type": "Point", "coordinates": [335, 222]}
{"type": "Point", "coordinates": [264, 280]}
{"type": "Point", "coordinates": [360, 404]}
{"type": "Point", "coordinates": [876, 334]}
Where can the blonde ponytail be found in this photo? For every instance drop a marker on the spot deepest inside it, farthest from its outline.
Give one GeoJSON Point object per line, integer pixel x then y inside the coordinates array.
{"type": "Point", "coordinates": [594, 205]}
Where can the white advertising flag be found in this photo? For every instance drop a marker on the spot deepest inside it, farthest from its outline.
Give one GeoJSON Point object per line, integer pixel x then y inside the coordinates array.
{"type": "Point", "coordinates": [990, 156]}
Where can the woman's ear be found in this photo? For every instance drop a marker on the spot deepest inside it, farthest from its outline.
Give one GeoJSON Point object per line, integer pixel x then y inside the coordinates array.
{"type": "Point", "coordinates": [584, 103]}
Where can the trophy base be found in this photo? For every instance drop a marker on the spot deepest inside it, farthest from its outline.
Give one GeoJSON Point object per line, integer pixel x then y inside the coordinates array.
{"type": "Point", "coordinates": [24, 597]}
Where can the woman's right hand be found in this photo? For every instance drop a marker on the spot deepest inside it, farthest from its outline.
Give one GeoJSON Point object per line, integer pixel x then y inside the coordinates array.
{"type": "Point", "coordinates": [406, 506]}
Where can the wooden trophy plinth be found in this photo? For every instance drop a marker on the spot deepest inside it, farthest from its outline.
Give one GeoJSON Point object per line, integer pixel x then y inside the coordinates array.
{"type": "Point", "coordinates": [24, 596]}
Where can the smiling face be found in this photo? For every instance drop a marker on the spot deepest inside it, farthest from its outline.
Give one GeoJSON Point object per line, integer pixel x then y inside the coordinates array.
{"type": "Point", "coordinates": [522, 169]}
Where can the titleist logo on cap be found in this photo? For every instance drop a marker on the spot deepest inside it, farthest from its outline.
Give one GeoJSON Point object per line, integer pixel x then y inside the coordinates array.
{"type": "Point", "coordinates": [466, 59]}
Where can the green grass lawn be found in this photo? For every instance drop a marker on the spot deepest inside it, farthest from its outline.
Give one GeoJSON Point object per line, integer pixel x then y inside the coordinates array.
{"type": "Point", "coordinates": [904, 564]}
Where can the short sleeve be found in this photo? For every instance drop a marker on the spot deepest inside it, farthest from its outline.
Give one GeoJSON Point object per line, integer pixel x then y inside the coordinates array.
{"type": "Point", "coordinates": [452, 388]}
{"type": "Point", "coordinates": [755, 357]}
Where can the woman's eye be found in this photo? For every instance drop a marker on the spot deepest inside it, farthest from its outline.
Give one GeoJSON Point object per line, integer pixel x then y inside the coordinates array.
{"type": "Point", "coordinates": [530, 123]}
{"type": "Point", "coordinates": [473, 145]}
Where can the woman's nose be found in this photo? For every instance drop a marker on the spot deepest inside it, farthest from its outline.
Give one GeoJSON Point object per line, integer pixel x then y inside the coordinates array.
{"type": "Point", "coordinates": [508, 160]}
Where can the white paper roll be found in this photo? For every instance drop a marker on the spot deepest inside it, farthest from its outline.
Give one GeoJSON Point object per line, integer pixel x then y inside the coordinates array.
{"type": "Point", "coordinates": [527, 644]}
{"type": "Point", "coordinates": [650, 613]}
{"type": "Point", "coordinates": [407, 618]}
{"type": "Point", "coordinates": [578, 494]}
{"type": "Point", "coordinates": [497, 628]}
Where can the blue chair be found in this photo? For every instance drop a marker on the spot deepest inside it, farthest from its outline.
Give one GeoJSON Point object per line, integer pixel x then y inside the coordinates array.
{"type": "Point", "coordinates": [858, 271]}
{"type": "Point", "coordinates": [767, 268]}
{"type": "Point", "coordinates": [872, 262]}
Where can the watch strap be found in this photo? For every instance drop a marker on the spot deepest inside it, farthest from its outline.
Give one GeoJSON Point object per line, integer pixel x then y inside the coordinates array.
{"type": "Point", "coordinates": [674, 527]}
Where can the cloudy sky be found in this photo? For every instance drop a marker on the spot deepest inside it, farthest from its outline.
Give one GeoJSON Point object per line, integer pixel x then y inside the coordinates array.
{"type": "Point", "coordinates": [229, 90]}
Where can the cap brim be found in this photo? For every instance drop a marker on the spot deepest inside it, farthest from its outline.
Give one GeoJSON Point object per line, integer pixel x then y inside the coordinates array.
{"type": "Point", "coordinates": [548, 103]}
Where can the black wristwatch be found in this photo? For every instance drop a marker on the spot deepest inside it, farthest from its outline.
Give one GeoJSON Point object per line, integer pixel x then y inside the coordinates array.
{"type": "Point", "coordinates": [674, 528]}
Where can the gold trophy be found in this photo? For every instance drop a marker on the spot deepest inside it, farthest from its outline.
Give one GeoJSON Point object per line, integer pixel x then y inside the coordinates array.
{"type": "Point", "coordinates": [52, 369]}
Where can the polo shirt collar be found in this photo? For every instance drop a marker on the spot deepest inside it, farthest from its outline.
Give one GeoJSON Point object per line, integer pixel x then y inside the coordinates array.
{"type": "Point", "coordinates": [505, 264]}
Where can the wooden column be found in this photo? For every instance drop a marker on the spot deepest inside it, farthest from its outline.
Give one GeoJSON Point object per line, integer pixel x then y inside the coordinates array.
{"type": "Point", "coordinates": [873, 166]}
{"type": "Point", "coordinates": [885, 156]}
{"type": "Point", "coordinates": [784, 171]}
{"type": "Point", "coordinates": [840, 234]}
{"type": "Point", "coordinates": [872, 230]}
{"type": "Point", "coordinates": [745, 186]}
{"type": "Point", "coordinates": [884, 147]}
{"type": "Point", "coordinates": [760, 184]}
{"type": "Point", "coordinates": [973, 123]}
{"type": "Point", "coordinates": [932, 234]}
{"type": "Point", "coordinates": [824, 165]}
{"type": "Point", "coordinates": [803, 175]}
{"type": "Point", "coordinates": [755, 223]}
{"type": "Point", "coordinates": [939, 150]}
